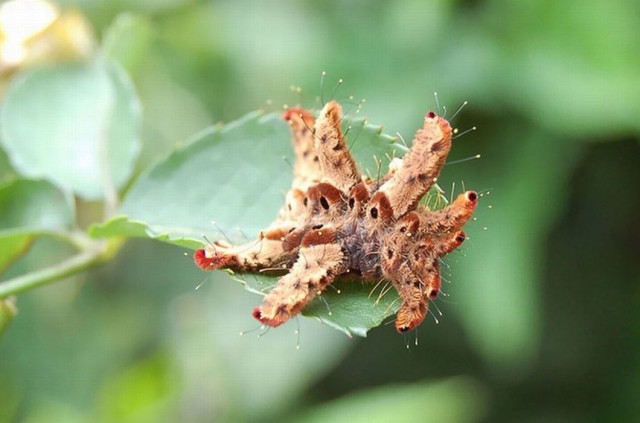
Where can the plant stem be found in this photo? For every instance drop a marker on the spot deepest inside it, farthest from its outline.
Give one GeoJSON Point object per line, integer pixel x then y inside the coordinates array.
{"type": "Point", "coordinates": [74, 264]}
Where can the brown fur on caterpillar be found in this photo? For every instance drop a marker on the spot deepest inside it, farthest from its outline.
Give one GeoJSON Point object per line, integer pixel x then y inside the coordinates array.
{"type": "Point", "coordinates": [336, 221]}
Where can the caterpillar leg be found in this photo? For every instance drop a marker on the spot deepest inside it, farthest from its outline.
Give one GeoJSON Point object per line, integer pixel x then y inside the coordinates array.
{"type": "Point", "coordinates": [315, 268]}
{"type": "Point", "coordinates": [265, 252]}
{"type": "Point", "coordinates": [337, 164]}
{"type": "Point", "coordinates": [420, 166]}
{"type": "Point", "coordinates": [451, 218]}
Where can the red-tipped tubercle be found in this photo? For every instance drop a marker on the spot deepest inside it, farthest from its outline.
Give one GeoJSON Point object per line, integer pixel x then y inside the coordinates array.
{"type": "Point", "coordinates": [289, 113]}
{"type": "Point", "coordinates": [201, 260]}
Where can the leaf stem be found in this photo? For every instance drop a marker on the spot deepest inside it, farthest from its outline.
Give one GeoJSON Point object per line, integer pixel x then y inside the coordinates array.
{"type": "Point", "coordinates": [72, 265]}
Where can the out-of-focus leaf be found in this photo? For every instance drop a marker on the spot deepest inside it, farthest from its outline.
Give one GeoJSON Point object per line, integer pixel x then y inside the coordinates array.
{"type": "Point", "coordinates": [156, 6]}
{"type": "Point", "coordinates": [75, 125]}
{"type": "Point", "coordinates": [582, 80]}
{"type": "Point", "coordinates": [140, 393]}
{"type": "Point", "coordinates": [12, 247]}
{"type": "Point", "coordinates": [10, 397]}
{"type": "Point", "coordinates": [454, 400]}
{"type": "Point", "coordinates": [254, 376]}
{"type": "Point", "coordinates": [58, 411]}
{"type": "Point", "coordinates": [6, 172]}
{"type": "Point", "coordinates": [29, 208]}
{"type": "Point", "coordinates": [128, 40]}
{"type": "Point", "coordinates": [8, 311]}
{"type": "Point", "coordinates": [498, 277]}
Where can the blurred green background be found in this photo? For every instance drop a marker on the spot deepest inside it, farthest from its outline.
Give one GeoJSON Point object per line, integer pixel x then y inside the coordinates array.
{"type": "Point", "coordinates": [542, 320]}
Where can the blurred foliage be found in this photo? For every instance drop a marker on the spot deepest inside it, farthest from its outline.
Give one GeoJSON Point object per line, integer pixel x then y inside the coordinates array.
{"type": "Point", "coordinates": [541, 320]}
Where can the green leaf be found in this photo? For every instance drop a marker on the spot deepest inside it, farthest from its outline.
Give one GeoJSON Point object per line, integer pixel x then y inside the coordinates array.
{"type": "Point", "coordinates": [128, 41]}
{"type": "Point", "coordinates": [122, 226]}
{"type": "Point", "coordinates": [352, 307]}
{"type": "Point", "coordinates": [235, 176]}
{"type": "Point", "coordinates": [75, 125]}
{"type": "Point", "coordinates": [12, 247]}
{"type": "Point", "coordinates": [556, 75]}
{"type": "Point", "coordinates": [8, 311]}
{"type": "Point", "coordinates": [454, 400]}
{"type": "Point", "coordinates": [141, 392]}
{"type": "Point", "coordinates": [226, 181]}
{"type": "Point", "coordinates": [6, 172]}
{"type": "Point", "coordinates": [29, 208]}
{"type": "Point", "coordinates": [498, 296]}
